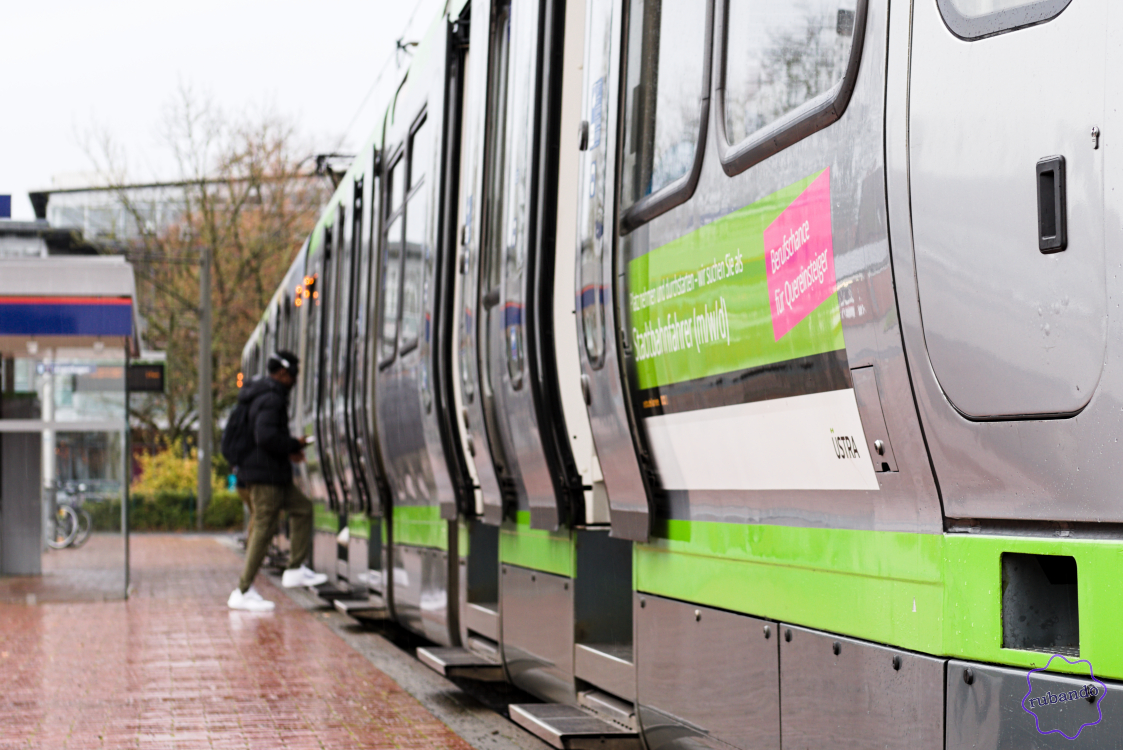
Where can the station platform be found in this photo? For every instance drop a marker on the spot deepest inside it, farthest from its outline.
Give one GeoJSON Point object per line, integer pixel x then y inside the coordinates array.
{"type": "Point", "coordinates": [172, 667]}
{"type": "Point", "coordinates": [94, 572]}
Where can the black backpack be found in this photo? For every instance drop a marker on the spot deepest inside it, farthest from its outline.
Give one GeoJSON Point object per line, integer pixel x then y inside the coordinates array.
{"type": "Point", "coordinates": [237, 436]}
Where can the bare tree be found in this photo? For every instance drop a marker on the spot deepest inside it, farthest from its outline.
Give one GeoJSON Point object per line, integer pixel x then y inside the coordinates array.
{"type": "Point", "coordinates": [243, 195]}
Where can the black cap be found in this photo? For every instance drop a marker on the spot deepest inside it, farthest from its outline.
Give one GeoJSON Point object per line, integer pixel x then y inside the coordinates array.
{"type": "Point", "coordinates": [283, 360]}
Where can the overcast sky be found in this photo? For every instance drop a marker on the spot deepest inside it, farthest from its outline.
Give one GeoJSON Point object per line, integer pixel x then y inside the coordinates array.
{"type": "Point", "coordinates": [71, 67]}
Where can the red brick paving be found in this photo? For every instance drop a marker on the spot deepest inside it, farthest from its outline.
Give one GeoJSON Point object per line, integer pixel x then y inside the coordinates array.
{"type": "Point", "coordinates": [93, 572]}
{"type": "Point", "coordinates": [174, 668]}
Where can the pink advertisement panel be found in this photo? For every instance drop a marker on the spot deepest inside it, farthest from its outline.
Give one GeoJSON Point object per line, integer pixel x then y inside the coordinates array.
{"type": "Point", "coordinates": [799, 256]}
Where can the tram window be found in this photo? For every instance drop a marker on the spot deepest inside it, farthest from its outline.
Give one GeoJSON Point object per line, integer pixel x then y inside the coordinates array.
{"type": "Point", "coordinates": [277, 319]}
{"type": "Point", "coordinates": [342, 299]}
{"type": "Point", "coordinates": [312, 318]}
{"type": "Point", "coordinates": [369, 298]}
{"type": "Point", "coordinates": [519, 148]}
{"type": "Point", "coordinates": [361, 260]}
{"type": "Point", "coordinates": [666, 97]}
{"type": "Point", "coordinates": [420, 155]}
{"type": "Point", "coordinates": [975, 19]}
{"type": "Point", "coordinates": [286, 323]}
{"type": "Point", "coordinates": [414, 263]}
{"type": "Point", "coordinates": [780, 57]}
{"type": "Point", "coordinates": [492, 244]}
{"type": "Point", "coordinates": [397, 185]}
{"type": "Point", "coordinates": [391, 270]}
{"type": "Point", "coordinates": [496, 129]}
{"type": "Point", "coordinates": [415, 250]}
{"type": "Point", "coordinates": [591, 207]}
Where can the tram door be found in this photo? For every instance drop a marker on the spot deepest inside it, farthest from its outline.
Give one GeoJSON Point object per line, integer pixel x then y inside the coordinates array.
{"type": "Point", "coordinates": [482, 514]}
{"type": "Point", "coordinates": [323, 370]}
{"type": "Point", "coordinates": [491, 315]}
{"type": "Point", "coordinates": [340, 302]}
{"type": "Point", "coordinates": [1006, 98]}
{"type": "Point", "coordinates": [347, 405]}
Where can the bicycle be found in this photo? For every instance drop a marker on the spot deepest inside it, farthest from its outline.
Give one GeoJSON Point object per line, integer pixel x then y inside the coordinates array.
{"type": "Point", "coordinates": [76, 499]}
{"type": "Point", "coordinates": [62, 527]}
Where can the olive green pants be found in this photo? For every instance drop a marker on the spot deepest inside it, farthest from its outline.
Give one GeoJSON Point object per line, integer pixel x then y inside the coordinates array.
{"type": "Point", "coordinates": [268, 502]}
{"type": "Point", "coordinates": [247, 500]}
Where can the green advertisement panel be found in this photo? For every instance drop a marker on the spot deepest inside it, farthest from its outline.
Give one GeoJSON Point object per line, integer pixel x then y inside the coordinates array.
{"type": "Point", "coordinates": [723, 299]}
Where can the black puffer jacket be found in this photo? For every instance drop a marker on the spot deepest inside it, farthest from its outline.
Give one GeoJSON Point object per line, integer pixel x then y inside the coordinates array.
{"type": "Point", "coordinates": [268, 462]}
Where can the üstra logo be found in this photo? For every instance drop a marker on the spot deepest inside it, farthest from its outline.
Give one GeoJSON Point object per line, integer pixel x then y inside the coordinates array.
{"type": "Point", "coordinates": [1052, 701]}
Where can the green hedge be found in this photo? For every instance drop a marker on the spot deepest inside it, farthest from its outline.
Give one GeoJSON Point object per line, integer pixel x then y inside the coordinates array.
{"type": "Point", "coordinates": [168, 511]}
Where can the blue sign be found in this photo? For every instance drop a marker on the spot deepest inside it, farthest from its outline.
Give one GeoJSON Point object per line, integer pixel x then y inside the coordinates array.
{"type": "Point", "coordinates": [5, 206]}
{"type": "Point", "coordinates": [66, 316]}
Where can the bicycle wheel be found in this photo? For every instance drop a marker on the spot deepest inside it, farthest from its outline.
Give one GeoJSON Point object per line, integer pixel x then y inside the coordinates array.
{"type": "Point", "coordinates": [85, 527]}
{"type": "Point", "coordinates": [62, 528]}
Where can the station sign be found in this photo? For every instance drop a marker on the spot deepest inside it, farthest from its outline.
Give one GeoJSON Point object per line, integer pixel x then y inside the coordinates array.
{"type": "Point", "coordinates": [66, 368]}
{"type": "Point", "coordinates": [146, 378]}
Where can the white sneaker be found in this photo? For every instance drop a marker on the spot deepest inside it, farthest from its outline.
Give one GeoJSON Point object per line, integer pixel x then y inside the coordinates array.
{"type": "Point", "coordinates": [254, 594]}
{"type": "Point", "coordinates": [302, 576]}
{"type": "Point", "coordinates": [250, 601]}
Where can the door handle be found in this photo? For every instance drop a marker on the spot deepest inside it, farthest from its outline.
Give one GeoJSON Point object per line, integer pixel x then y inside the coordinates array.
{"type": "Point", "coordinates": [1052, 223]}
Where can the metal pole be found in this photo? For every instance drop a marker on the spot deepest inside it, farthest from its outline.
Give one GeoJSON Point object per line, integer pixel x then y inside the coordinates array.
{"type": "Point", "coordinates": [49, 463]}
{"type": "Point", "coordinates": [206, 422]}
{"type": "Point", "coordinates": [128, 471]}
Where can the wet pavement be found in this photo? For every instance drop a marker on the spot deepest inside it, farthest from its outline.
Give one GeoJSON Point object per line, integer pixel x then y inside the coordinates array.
{"type": "Point", "coordinates": [93, 572]}
{"type": "Point", "coordinates": [174, 668]}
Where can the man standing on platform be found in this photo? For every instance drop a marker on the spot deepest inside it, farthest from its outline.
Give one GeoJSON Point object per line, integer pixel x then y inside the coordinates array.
{"type": "Point", "coordinates": [267, 471]}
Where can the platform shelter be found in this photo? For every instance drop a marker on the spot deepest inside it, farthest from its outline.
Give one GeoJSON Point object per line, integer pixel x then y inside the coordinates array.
{"type": "Point", "coordinates": [68, 328]}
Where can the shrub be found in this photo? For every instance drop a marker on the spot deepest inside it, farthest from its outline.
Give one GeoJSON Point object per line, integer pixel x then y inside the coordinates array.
{"type": "Point", "coordinates": [170, 470]}
{"type": "Point", "coordinates": [169, 511]}
{"type": "Point", "coordinates": [224, 512]}
{"type": "Point", "coordinates": [106, 514]}
{"type": "Point", "coordinates": [173, 470]}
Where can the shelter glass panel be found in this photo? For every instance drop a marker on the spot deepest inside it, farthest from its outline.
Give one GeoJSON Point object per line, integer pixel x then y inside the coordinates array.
{"type": "Point", "coordinates": [62, 473]}
{"type": "Point", "coordinates": [20, 389]}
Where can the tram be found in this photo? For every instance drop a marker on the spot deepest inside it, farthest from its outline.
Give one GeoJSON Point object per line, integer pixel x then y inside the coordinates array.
{"type": "Point", "coordinates": [733, 374]}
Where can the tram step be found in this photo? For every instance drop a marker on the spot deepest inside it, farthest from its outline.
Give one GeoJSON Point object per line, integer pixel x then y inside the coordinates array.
{"type": "Point", "coordinates": [608, 707]}
{"type": "Point", "coordinates": [330, 592]}
{"type": "Point", "coordinates": [572, 727]}
{"type": "Point", "coordinates": [460, 662]}
{"type": "Point", "coordinates": [372, 608]}
{"type": "Point", "coordinates": [608, 666]}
